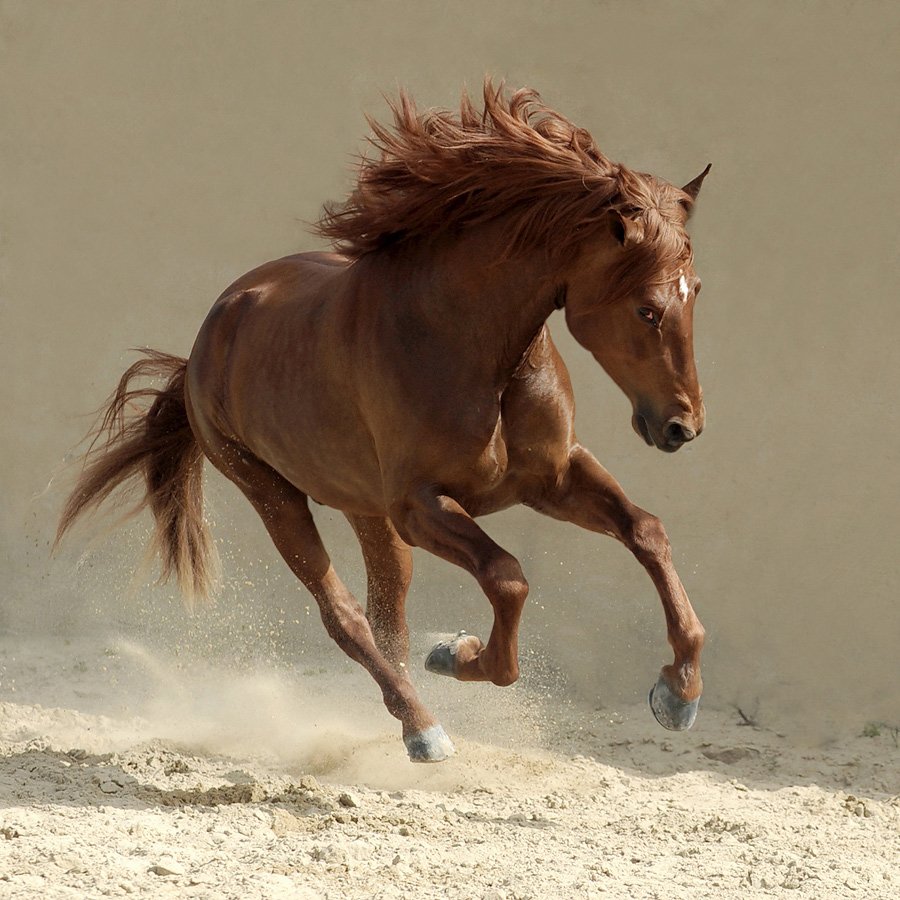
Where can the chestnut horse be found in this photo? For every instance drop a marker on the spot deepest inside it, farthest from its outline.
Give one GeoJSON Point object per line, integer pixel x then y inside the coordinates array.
{"type": "Point", "coordinates": [409, 380]}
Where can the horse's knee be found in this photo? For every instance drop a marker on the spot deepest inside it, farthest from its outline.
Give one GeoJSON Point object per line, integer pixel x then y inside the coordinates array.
{"type": "Point", "coordinates": [503, 581]}
{"type": "Point", "coordinates": [646, 537]}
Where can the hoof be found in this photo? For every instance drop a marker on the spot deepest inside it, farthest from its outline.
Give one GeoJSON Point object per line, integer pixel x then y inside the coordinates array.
{"type": "Point", "coordinates": [672, 712]}
{"type": "Point", "coordinates": [442, 658]}
{"type": "Point", "coordinates": [431, 745]}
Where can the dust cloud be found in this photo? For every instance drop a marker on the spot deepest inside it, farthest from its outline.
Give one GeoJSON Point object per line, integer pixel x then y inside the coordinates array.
{"type": "Point", "coordinates": [149, 159]}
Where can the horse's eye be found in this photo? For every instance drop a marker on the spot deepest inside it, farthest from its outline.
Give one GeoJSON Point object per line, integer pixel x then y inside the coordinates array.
{"type": "Point", "coordinates": [650, 316]}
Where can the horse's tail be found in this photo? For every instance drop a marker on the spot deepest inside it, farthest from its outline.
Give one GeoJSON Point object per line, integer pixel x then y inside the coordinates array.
{"type": "Point", "coordinates": [158, 444]}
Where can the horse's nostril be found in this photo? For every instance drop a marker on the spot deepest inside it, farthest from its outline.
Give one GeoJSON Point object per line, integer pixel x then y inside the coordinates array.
{"type": "Point", "coordinates": [678, 433]}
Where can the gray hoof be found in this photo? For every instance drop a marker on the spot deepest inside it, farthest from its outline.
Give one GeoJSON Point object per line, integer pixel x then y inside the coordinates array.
{"type": "Point", "coordinates": [442, 658]}
{"type": "Point", "coordinates": [431, 745]}
{"type": "Point", "coordinates": [672, 712]}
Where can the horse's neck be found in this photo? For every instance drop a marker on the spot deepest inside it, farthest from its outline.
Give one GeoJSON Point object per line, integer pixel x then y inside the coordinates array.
{"type": "Point", "coordinates": [486, 313]}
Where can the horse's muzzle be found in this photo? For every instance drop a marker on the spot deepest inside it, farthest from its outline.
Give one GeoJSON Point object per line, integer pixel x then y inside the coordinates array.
{"type": "Point", "coordinates": [673, 435]}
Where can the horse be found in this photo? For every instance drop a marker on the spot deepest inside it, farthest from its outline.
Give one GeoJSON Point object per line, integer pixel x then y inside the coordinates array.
{"type": "Point", "coordinates": [407, 378]}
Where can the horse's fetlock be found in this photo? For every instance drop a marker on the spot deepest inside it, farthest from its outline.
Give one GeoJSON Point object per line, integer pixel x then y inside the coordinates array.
{"type": "Point", "coordinates": [695, 638]}
{"type": "Point", "coordinates": [400, 701]}
{"type": "Point", "coordinates": [506, 678]}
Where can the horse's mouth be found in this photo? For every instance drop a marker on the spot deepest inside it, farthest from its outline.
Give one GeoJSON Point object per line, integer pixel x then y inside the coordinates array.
{"type": "Point", "coordinates": [639, 423]}
{"type": "Point", "coordinates": [642, 427]}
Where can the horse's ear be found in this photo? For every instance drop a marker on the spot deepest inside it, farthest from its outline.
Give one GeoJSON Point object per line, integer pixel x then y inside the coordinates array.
{"type": "Point", "coordinates": [627, 231]}
{"type": "Point", "coordinates": [692, 188]}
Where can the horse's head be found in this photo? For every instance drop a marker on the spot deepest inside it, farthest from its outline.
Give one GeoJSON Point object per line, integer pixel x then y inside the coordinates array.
{"type": "Point", "coordinates": [630, 302]}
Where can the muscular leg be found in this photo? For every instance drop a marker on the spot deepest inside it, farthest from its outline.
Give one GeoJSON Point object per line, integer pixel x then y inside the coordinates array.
{"type": "Point", "coordinates": [439, 524]}
{"type": "Point", "coordinates": [285, 513]}
{"type": "Point", "coordinates": [589, 496]}
{"type": "Point", "coordinates": [389, 571]}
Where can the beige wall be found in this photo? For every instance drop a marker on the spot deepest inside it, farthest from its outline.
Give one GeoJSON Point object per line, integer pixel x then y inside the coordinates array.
{"type": "Point", "coordinates": [152, 151]}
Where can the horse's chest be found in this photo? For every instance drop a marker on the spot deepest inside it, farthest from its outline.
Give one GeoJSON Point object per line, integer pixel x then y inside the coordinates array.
{"type": "Point", "coordinates": [493, 479]}
{"type": "Point", "coordinates": [492, 464]}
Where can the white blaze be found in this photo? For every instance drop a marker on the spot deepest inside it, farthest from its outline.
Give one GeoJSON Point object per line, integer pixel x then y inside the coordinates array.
{"type": "Point", "coordinates": [683, 288]}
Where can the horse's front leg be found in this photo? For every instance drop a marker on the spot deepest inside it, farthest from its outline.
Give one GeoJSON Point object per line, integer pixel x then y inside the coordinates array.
{"type": "Point", "coordinates": [439, 524]}
{"type": "Point", "coordinates": [589, 496]}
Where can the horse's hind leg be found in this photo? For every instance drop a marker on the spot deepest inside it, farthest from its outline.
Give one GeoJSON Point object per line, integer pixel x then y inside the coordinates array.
{"type": "Point", "coordinates": [388, 571]}
{"type": "Point", "coordinates": [285, 513]}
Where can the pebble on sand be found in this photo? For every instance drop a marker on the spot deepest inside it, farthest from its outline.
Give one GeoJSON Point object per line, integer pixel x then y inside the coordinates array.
{"type": "Point", "coordinates": [167, 866]}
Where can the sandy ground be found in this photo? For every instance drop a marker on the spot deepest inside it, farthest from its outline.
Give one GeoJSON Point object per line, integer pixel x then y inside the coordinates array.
{"type": "Point", "coordinates": [123, 772]}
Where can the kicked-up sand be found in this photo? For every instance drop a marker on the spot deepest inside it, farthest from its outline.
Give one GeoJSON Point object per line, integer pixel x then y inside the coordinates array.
{"type": "Point", "coordinates": [127, 773]}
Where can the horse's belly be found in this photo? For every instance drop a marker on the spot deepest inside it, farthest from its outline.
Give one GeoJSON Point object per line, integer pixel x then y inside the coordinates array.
{"type": "Point", "coordinates": [334, 469]}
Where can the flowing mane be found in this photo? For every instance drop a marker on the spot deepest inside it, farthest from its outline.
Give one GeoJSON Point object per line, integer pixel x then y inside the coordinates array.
{"type": "Point", "coordinates": [437, 172]}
